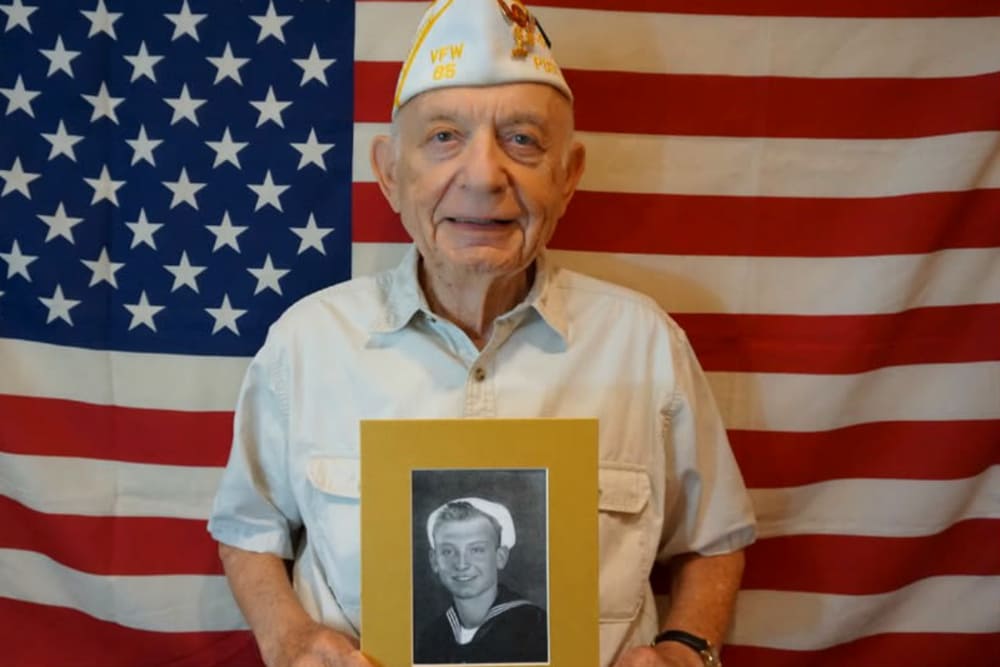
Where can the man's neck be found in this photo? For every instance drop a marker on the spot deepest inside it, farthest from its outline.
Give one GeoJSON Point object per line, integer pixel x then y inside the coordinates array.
{"type": "Point", "coordinates": [472, 611]}
{"type": "Point", "coordinates": [474, 302]}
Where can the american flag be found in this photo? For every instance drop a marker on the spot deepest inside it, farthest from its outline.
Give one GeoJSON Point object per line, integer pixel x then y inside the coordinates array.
{"type": "Point", "coordinates": [811, 188]}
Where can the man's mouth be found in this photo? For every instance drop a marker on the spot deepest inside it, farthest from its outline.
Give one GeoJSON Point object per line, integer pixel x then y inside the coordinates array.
{"type": "Point", "coordinates": [480, 221]}
{"type": "Point", "coordinates": [464, 578]}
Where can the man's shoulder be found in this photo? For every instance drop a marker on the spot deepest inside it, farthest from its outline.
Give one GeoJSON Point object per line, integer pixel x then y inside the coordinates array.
{"type": "Point", "coordinates": [592, 297]}
{"type": "Point", "coordinates": [353, 303]}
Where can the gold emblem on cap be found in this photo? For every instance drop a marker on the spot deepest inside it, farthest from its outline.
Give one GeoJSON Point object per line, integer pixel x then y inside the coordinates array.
{"type": "Point", "coordinates": [523, 26]}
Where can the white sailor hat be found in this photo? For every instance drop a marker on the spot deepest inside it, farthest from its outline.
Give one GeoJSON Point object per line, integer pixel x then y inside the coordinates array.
{"type": "Point", "coordinates": [477, 43]}
{"type": "Point", "coordinates": [508, 537]}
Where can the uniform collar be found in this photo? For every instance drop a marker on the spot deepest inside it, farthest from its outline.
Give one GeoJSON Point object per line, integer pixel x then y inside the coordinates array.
{"type": "Point", "coordinates": [403, 299]}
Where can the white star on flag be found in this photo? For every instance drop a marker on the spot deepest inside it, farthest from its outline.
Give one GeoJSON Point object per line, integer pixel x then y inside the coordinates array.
{"type": "Point", "coordinates": [225, 316]}
{"type": "Point", "coordinates": [271, 24]}
{"type": "Point", "coordinates": [267, 276]}
{"type": "Point", "coordinates": [104, 104]}
{"type": "Point", "coordinates": [270, 108]}
{"type": "Point", "coordinates": [143, 147]}
{"type": "Point", "coordinates": [185, 23]}
{"type": "Point", "coordinates": [142, 63]}
{"type": "Point", "coordinates": [185, 274]}
{"type": "Point", "coordinates": [313, 67]}
{"type": "Point", "coordinates": [104, 187]}
{"type": "Point", "coordinates": [312, 151]}
{"type": "Point", "coordinates": [142, 312]}
{"type": "Point", "coordinates": [228, 66]}
{"type": "Point", "coordinates": [184, 190]}
{"type": "Point", "coordinates": [101, 20]}
{"type": "Point", "coordinates": [17, 15]}
{"type": "Point", "coordinates": [59, 58]}
{"type": "Point", "coordinates": [311, 236]}
{"type": "Point", "coordinates": [184, 106]}
{"type": "Point", "coordinates": [16, 178]}
{"type": "Point", "coordinates": [102, 269]}
{"type": "Point", "coordinates": [17, 263]}
{"type": "Point", "coordinates": [19, 97]}
{"type": "Point", "coordinates": [226, 149]}
{"type": "Point", "coordinates": [226, 233]}
{"type": "Point", "coordinates": [143, 230]}
{"type": "Point", "coordinates": [59, 306]}
{"type": "Point", "coordinates": [62, 142]}
{"type": "Point", "coordinates": [60, 224]}
{"type": "Point", "coordinates": [268, 193]}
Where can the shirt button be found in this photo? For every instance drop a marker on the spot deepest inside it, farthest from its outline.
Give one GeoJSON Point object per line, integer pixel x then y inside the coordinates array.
{"type": "Point", "coordinates": [479, 374]}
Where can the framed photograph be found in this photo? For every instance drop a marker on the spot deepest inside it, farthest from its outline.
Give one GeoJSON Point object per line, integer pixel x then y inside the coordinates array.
{"type": "Point", "coordinates": [479, 542]}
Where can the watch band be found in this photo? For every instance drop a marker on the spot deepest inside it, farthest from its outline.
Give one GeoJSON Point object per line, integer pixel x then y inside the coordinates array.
{"type": "Point", "coordinates": [709, 656]}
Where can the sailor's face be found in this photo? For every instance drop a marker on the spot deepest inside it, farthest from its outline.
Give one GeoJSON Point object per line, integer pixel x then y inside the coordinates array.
{"type": "Point", "coordinates": [466, 556]}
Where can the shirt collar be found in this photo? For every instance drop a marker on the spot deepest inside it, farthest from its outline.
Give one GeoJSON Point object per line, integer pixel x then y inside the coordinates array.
{"type": "Point", "coordinates": [403, 299]}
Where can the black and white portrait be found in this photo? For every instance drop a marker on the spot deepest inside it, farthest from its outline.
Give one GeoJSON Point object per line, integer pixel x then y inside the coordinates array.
{"type": "Point", "coordinates": [480, 566]}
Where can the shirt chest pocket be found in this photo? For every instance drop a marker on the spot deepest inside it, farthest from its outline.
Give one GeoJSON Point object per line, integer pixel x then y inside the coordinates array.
{"type": "Point", "coordinates": [627, 548]}
{"type": "Point", "coordinates": [333, 527]}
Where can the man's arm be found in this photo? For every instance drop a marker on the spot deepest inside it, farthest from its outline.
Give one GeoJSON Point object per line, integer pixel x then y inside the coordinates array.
{"type": "Point", "coordinates": [702, 596]}
{"type": "Point", "coordinates": [286, 634]}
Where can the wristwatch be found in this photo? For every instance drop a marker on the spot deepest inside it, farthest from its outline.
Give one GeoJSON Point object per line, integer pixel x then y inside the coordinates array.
{"type": "Point", "coordinates": [708, 653]}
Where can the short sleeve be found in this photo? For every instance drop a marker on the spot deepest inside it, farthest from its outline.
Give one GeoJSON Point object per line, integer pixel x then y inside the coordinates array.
{"type": "Point", "coordinates": [707, 509]}
{"type": "Point", "coordinates": [255, 507]}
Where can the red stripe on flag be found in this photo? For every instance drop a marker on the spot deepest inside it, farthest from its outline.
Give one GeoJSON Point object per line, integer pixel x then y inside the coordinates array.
{"type": "Point", "coordinates": [57, 427]}
{"type": "Point", "coordinates": [839, 344]}
{"type": "Point", "coordinates": [747, 106]}
{"type": "Point", "coordinates": [111, 545]}
{"type": "Point", "coordinates": [56, 636]}
{"type": "Point", "coordinates": [829, 8]}
{"type": "Point", "coordinates": [940, 450]}
{"type": "Point", "coordinates": [817, 563]}
{"type": "Point", "coordinates": [729, 225]}
{"type": "Point", "coordinates": [923, 649]}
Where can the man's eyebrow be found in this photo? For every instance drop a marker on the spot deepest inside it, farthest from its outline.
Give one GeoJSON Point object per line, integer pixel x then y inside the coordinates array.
{"type": "Point", "coordinates": [524, 118]}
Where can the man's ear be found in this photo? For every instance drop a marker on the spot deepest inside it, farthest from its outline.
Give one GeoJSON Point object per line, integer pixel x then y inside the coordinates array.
{"type": "Point", "coordinates": [576, 162]}
{"type": "Point", "coordinates": [433, 560]}
{"type": "Point", "coordinates": [383, 160]}
{"type": "Point", "coordinates": [503, 553]}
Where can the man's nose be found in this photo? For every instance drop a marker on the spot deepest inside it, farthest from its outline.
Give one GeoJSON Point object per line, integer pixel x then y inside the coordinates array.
{"type": "Point", "coordinates": [462, 562]}
{"type": "Point", "coordinates": [484, 167]}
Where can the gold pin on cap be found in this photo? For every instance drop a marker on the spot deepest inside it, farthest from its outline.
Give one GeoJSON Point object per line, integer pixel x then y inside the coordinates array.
{"type": "Point", "coordinates": [523, 25]}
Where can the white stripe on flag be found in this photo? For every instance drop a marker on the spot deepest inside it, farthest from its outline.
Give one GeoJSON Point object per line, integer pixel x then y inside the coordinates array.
{"type": "Point", "coordinates": [788, 401]}
{"type": "Point", "coordinates": [734, 45]}
{"type": "Point", "coordinates": [771, 167]}
{"type": "Point", "coordinates": [873, 507]}
{"type": "Point", "coordinates": [775, 285]}
{"type": "Point", "coordinates": [162, 603]}
{"type": "Point", "coordinates": [106, 377]}
{"type": "Point", "coordinates": [850, 506]}
{"type": "Point", "coordinates": [813, 621]}
{"type": "Point", "coordinates": [98, 487]}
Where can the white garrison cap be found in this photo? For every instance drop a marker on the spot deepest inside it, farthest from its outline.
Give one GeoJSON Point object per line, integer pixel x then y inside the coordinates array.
{"type": "Point", "coordinates": [507, 535]}
{"type": "Point", "coordinates": [477, 43]}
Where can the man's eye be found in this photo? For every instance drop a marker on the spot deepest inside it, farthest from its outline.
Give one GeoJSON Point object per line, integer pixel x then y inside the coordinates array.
{"type": "Point", "coordinates": [443, 136]}
{"type": "Point", "coordinates": [524, 140]}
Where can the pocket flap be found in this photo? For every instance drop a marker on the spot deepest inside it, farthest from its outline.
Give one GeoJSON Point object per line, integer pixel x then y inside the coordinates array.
{"type": "Point", "coordinates": [622, 490]}
{"type": "Point", "coordinates": [335, 475]}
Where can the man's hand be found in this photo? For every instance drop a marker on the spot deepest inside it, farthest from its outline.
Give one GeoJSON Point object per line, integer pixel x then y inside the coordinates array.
{"type": "Point", "coordinates": [664, 654]}
{"type": "Point", "coordinates": [314, 645]}
{"type": "Point", "coordinates": [285, 633]}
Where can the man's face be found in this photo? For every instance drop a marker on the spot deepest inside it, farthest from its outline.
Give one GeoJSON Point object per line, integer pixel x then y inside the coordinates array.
{"type": "Point", "coordinates": [480, 176]}
{"type": "Point", "coordinates": [466, 556]}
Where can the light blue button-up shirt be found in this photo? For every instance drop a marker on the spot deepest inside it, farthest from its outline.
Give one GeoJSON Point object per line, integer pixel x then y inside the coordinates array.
{"type": "Point", "coordinates": [371, 348]}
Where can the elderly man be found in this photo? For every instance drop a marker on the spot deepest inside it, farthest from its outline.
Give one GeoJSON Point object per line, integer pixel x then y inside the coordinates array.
{"type": "Point", "coordinates": [477, 321]}
{"type": "Point", "coordinates": [487, 622]}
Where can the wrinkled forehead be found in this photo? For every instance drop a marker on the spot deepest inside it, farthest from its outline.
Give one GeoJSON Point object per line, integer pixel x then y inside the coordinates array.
{"type": "Point", "coordinates": [534, 103]}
